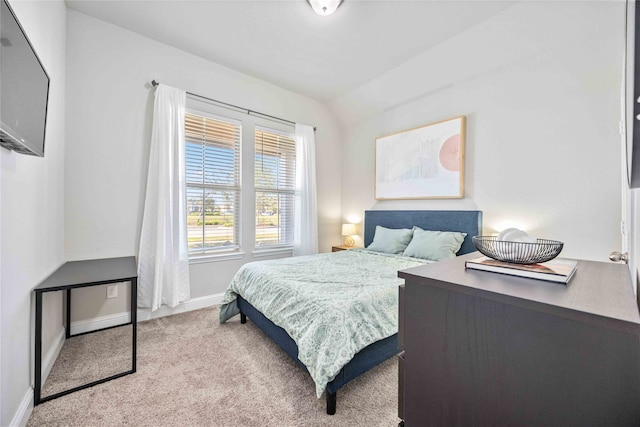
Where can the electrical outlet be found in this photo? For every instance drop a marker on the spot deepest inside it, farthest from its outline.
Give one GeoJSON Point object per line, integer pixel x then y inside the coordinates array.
{"type": "Point", "coordinates": [112, 291]}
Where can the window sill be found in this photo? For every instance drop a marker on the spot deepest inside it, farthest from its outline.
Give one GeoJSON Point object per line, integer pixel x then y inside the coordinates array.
{"type": "Point", "coordinates": [201, 259]}
{"type": "Point", "coordinates": [257, 253]}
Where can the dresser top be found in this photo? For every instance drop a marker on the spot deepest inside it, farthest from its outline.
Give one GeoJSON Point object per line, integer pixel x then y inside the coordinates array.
{"type": "Point", "coordinates": [598, 293]}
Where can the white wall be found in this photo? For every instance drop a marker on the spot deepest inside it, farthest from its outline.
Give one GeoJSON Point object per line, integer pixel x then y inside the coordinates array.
{"type": "Point", "coordinates": [540, 86]}
{"type": "Point", "coordinates": [32, 216]}
{"type": "Point", "coordinates": [109, 111]}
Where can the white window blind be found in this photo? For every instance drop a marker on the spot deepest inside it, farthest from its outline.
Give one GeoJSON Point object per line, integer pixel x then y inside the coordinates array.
{"type": "Point", "coordinates": [213, 182]}
{"type": "Point", "coordinates": [275, 170]}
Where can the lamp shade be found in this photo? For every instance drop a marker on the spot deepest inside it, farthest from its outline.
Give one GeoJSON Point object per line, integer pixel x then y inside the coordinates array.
{"type": "Point", "coordinates": [348, 229]}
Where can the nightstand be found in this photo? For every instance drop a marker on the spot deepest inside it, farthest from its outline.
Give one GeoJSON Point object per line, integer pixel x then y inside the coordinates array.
{"type": "Point", "coordinates": [342, 248]}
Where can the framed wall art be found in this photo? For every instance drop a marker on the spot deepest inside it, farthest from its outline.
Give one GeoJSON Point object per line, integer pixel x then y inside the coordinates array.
{"type": "Point", "coordinates": [422, 163]}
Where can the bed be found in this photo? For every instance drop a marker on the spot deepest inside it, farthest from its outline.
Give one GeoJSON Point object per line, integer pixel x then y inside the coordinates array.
{"type": "Point", "coordinates": [375, 341]}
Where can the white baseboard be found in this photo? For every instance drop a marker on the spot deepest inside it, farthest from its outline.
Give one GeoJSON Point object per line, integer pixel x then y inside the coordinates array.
{"type": "Point", "coordinates": [23, 413]}
{"type": "Point", "coordinates": [144, 314]}
{"type": "Point", "coordinates": [192, 304]}
{"type": "Point", "coordinates": [101, 322]}
{"type": "Point", "coordinates": [52, 355]}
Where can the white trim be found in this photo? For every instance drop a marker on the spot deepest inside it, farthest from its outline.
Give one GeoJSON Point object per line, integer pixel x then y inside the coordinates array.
{"type": "Point", "coordinates": [192, 304]}
{"type": "Point", "coordinates": [23, 413]}
{"type": "Point", "coordinates": [272, 252]}
{"type": "Point", "coordinates": [144, 314]}
{"type": "Point", "coordinates": [200, 259]}
{"type": "Point", "coordinates": [101, 322]}
{"type": "Point", "coordinates": [52, 356]}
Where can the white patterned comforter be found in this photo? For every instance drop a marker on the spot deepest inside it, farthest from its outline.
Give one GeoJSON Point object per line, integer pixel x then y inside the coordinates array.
{"type": "Point", "coordinates": [333, 305]}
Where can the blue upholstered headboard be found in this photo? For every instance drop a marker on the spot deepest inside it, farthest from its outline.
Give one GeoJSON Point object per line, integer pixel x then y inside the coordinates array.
{"type": "Point", "coordinates": [469, 222]}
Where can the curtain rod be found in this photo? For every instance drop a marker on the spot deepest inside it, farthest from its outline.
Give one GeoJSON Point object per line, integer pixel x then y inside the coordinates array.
{"type": "Point", "coordinates": [248, 111]}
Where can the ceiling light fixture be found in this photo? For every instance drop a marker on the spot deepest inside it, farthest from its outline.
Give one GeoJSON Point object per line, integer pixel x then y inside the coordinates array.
{"type": "Point", "coordinates": [324, 7]}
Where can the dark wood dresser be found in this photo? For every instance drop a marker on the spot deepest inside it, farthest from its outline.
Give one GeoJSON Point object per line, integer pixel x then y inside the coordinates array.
{"type": "Point", "coordinates": [486, 349]}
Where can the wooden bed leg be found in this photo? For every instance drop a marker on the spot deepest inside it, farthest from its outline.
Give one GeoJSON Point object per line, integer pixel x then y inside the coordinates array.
{"type": "Point", "coordinates": [243, 318]}
{"type": "Point", "coordinates": [331, 403]}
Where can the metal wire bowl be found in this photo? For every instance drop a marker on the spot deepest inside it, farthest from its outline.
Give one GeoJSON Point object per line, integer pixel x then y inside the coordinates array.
{"type": "Point", "coordinates": [518, 252]}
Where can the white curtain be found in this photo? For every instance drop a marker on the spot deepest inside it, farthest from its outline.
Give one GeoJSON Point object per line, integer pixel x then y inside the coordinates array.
{"type": "Point", "coordinates": [305, 225]}
{"type": "Point", "coordinates": [163, 261]}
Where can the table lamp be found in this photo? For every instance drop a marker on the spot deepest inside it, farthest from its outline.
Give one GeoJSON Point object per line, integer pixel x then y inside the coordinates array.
{"type": "Point", "coordinates": [348, 230]}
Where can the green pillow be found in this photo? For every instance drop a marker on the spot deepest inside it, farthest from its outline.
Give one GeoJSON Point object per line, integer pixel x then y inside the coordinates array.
{"type": "Point", "coordinates": [434, 245]}
{"type": "Point", "coordinates": [390, 240]}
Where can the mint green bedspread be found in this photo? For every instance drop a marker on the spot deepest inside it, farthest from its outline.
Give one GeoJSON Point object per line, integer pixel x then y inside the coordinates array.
{"type": "Point", "coordinates": [333, 305]}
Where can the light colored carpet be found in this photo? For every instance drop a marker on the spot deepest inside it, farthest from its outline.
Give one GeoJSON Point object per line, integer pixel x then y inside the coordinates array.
{"type": "Point", "coordinates": [88, 358]}
{"type": "Point", "coordinates": [193, 371]}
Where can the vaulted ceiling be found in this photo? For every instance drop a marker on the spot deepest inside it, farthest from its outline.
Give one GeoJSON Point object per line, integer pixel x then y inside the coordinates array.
{"type": "Point", "coordinates": [284, 42]}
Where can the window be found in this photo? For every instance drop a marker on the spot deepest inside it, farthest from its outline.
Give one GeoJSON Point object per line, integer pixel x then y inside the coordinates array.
{"type": "Point", "coordinates": [275, 168]}
{"type": "Point", "coordinates": [213, 182]}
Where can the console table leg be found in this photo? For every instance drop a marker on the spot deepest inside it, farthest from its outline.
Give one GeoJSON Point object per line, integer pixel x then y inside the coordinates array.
{"type": "Point", "coordinates": [134, 320]}
{"type": "Point", "coordinates": [68, 314]}
{"type": "Point", "coordinates": [38, 350]}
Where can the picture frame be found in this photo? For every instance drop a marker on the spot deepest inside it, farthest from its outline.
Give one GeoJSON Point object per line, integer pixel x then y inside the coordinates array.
{"type": "Point", "coordinates": [426, 162]}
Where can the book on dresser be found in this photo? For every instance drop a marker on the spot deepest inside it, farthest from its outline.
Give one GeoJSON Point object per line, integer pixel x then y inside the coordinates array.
{"type": "Point", "coordinates": [556, 270]}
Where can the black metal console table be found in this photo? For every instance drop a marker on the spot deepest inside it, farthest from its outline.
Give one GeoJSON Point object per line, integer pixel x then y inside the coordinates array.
{"type": "Point", "coordinates": [79, 274]}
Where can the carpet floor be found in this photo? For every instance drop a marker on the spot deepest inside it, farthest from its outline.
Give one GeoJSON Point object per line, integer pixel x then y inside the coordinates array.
{"type": "Point", "coordinates": [192, 371]}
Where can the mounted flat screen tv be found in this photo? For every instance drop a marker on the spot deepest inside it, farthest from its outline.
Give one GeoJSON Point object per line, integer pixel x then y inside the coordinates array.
{"type": "Point", "coordinates": [24, 89]}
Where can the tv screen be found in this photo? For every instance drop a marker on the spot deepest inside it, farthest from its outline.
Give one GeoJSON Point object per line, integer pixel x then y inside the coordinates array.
{"type": "Point", "coordinates": [24, 89]}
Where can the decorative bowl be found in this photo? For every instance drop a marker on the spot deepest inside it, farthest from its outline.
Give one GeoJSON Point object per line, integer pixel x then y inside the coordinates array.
{"type": "Point", "coordinates": [518, 252]}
